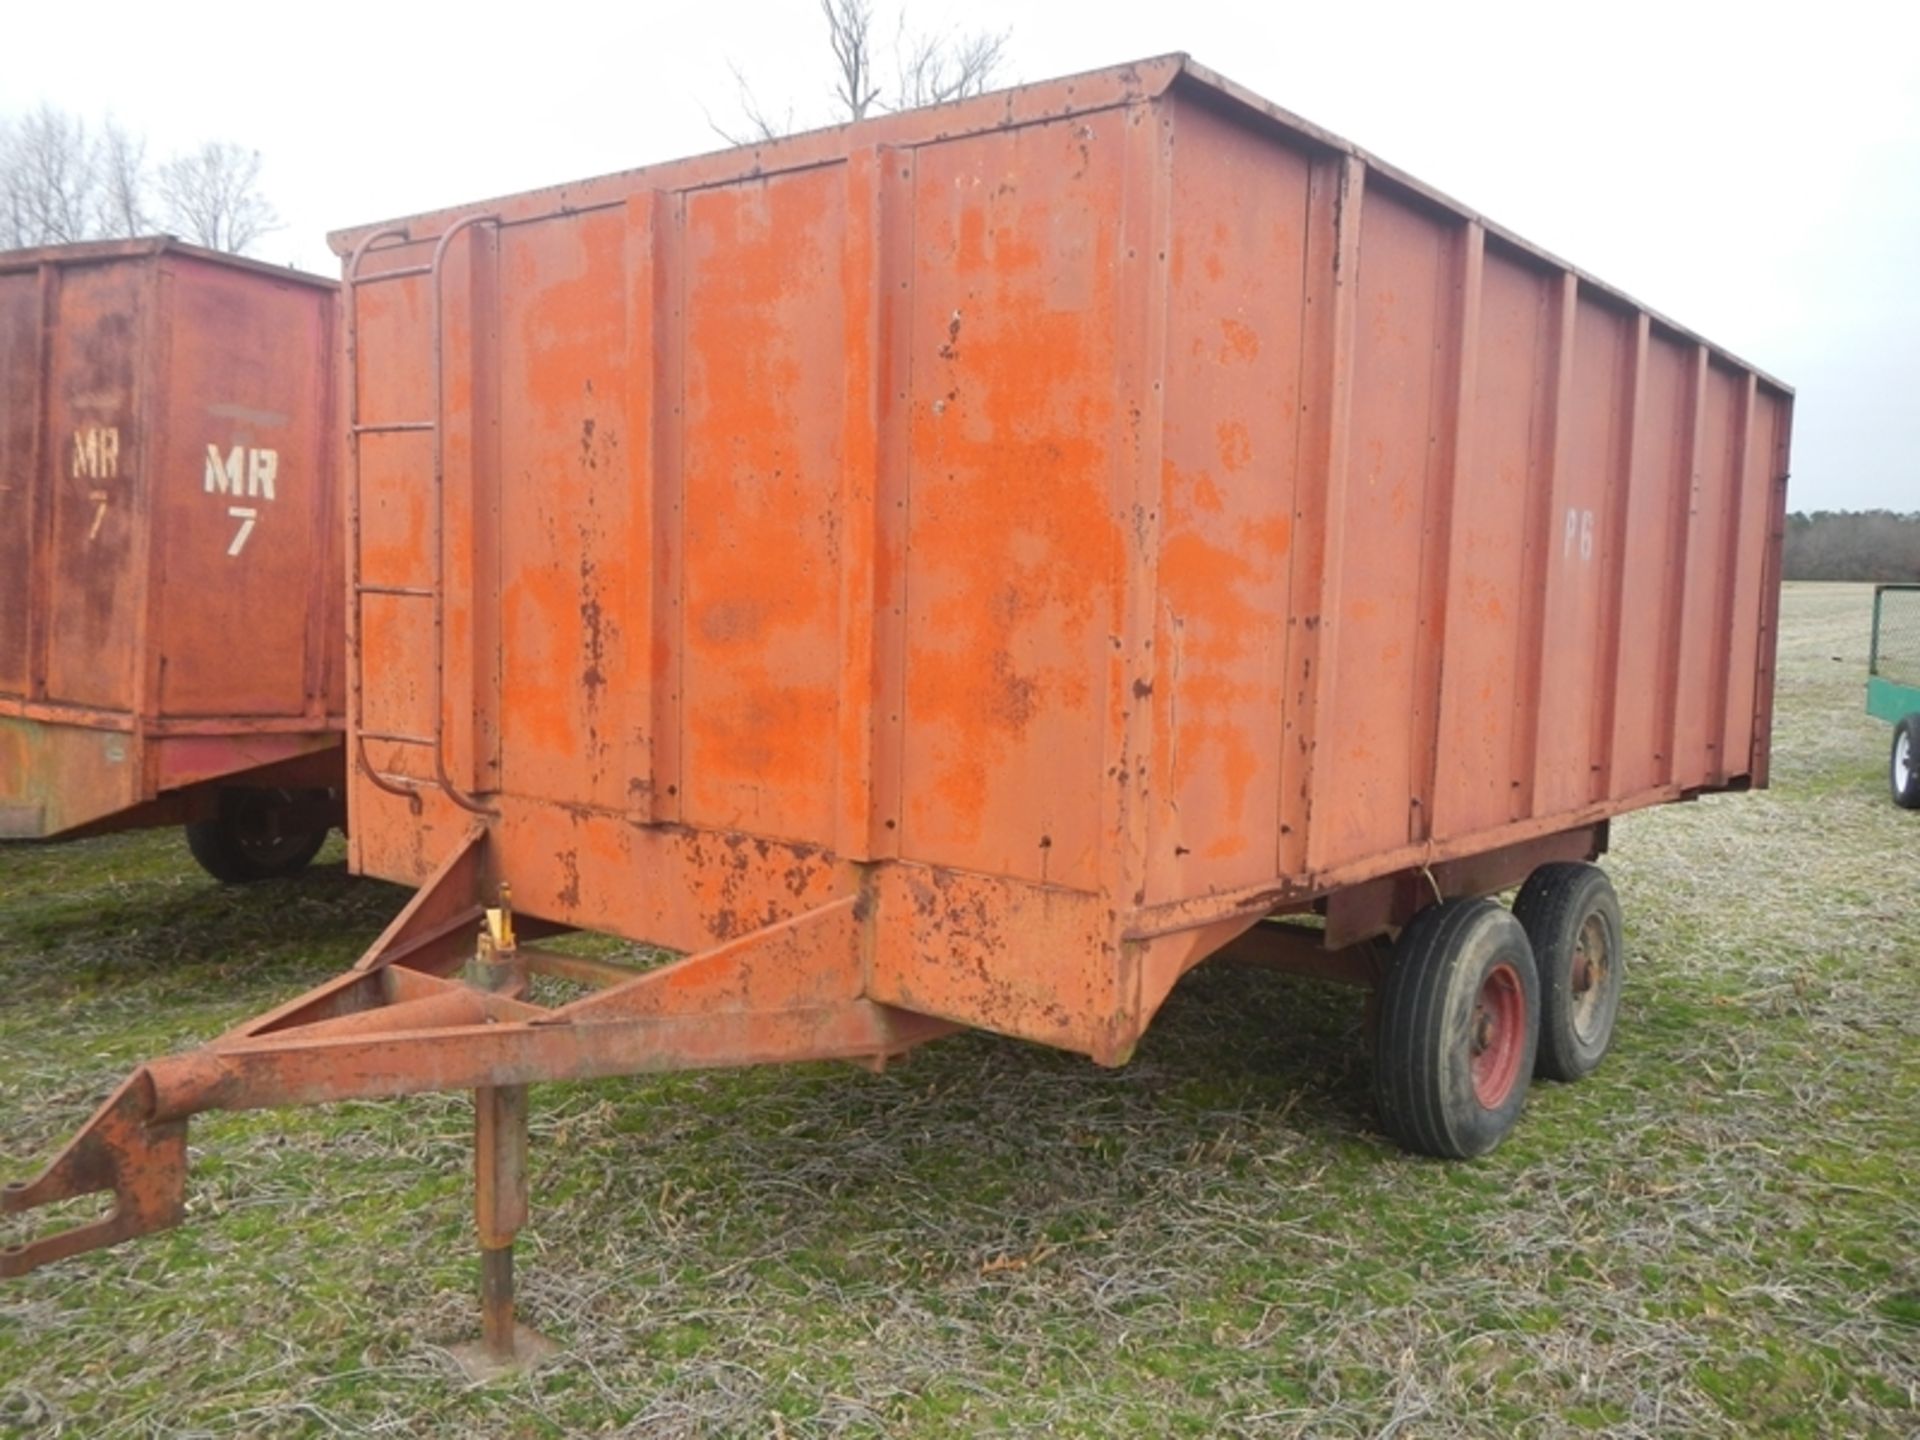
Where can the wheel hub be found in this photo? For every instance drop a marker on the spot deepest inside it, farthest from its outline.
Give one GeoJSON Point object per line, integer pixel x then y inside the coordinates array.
{"type": "Point", "coordinates": [260, 829]}
{"type": "Point", "coordinates": [1496, 1035]}
{"type": "Point", "coordinates": [1589, 979]}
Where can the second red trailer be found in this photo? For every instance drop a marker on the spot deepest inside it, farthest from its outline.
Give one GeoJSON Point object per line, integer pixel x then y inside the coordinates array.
{"type": "Point", "coordinates": [171, 630]}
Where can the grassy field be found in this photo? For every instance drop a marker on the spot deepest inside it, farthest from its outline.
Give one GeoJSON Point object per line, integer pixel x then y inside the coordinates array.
{"type": "Point", "coordinates": [1719, 1234]}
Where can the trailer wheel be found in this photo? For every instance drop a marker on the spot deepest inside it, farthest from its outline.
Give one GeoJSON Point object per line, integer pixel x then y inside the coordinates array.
{"type": "Point", "coordinates": [1572, 918]}
{"type": "Point", "coordinates": [1459, 1020]}
{"type": "Point", "coordinates": [249, 840]}
{"type": "Point", "coordinates": [1903, 766]}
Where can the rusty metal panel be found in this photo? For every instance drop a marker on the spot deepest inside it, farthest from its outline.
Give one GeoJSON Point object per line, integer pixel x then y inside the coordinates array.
{"type": "Point", "coordinates": [1486, 668]}
{"type": "Point", "coordinates": [1580, 551]}
{"type": "Point", "coordinates": [248, 500]}
{"type": "Point", "coordinates": [1778, 408]}
{"type": "Point", "coordinates": [763, 293]}
{"type": "Point", "coordinates": [1747, 649]}
{"type": "Point", "coordinates": [1641, 741]}
{"type": "Point", "coordinates": [1702, 672]}
{"type": "Point", "coordinates": [1606, 393]}
{"type": "Point", "coordinates": [1364, 789]}
{"type": "Point", "coordinates": [1012, 554]}
{"type": "Point", "coordinates": [97, 490]}
{"type": "Point", "coordinates": [21, 400]}
{"type": "Point", "coordinates": [1227, 498]}
{"type": "Point", "coordinates": [986, 951]}
{"type": "Point", "coordinates": [58, 777]}
{"type": "Point", "coordinates": [168, 557]}
{"type": "Point", "coordinates": [566, 553]}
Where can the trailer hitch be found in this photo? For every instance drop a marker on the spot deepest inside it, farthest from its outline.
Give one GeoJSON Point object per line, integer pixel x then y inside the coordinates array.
{"type": "Point", "coordinates": [123, 1151]}
{"type": "Point", "coordinates": [435, 1006]}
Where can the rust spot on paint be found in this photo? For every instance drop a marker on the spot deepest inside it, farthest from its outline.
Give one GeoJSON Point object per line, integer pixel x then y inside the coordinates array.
{"type": "Point", "coordinates": [594, 676]}
{"type": "Point", "coordinates": [1011, 698]}
{"type": "Point", "coordinates": [734, 621]}
{"type": "Point", "coordinates": [1236, 445]}
{"type": "Point", "coordinates": [1239, 342]}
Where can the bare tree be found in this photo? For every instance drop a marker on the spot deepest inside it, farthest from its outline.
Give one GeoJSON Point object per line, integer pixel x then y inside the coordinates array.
{"type": "Point", "coordinates": [212, 197]}
{"type": "Point", "coordinates": [120, 165]}
{"type": "Point", "coordinates": [929, 68]}
{"type": "Point", "coordinates": [934, 69]}
{"type": "Point", "coordinates": [756, 124]}
{"type": "Point", "coordinates": [47, 180]}
{"type": "Point", "coordinates": [850, 33]}
{"type": "Point", "coordinates": [58, 185]}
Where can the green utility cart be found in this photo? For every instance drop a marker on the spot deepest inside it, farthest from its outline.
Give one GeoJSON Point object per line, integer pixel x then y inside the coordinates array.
{"type": "Point", "coordinates": [1893, 685]}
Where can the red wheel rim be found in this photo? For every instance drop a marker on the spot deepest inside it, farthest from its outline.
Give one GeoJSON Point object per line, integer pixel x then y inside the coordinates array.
{"type": "Point", "coordinates": [1495, 1033]}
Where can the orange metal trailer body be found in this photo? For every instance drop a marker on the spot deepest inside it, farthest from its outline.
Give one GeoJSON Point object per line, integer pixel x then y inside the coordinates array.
{"type": "Point", "coordinates": [1076, 523]}
{"type": "Point", "coordinates": [170, 612]}
{"type": "Point", "coordinates": [968, 567]}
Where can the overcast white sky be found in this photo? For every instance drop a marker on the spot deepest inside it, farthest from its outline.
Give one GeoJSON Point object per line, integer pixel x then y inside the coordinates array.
{"type": "Point", "coordinates": [1752, 169]}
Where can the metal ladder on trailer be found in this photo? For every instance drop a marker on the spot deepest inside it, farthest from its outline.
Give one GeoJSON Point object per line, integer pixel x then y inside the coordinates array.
{"type": "Point", "coordinates": [434, 592]}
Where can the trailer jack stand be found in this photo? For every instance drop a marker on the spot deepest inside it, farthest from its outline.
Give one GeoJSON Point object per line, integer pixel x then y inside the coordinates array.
{"type": "Point", "coordinates": [505, 1347]}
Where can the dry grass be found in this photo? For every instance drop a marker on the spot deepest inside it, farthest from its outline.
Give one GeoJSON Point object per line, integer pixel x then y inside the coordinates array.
{"type": "Point", "coordinates": [1716, 1235]}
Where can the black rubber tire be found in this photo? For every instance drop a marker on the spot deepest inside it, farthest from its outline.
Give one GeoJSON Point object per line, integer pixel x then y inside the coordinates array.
{"type": "Point", "coordinates": [244, 844]}
{"type": "Point", "coordinates": [1558, 906]}
{"type": "Point", "coordinates": [1907, 796]}
{"type": "Point", "coordinates": [1429, 1004]}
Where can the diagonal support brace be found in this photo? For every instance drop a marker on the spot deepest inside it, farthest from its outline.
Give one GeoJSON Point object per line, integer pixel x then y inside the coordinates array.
{"type": "Point", "coordinates": [791, 991]}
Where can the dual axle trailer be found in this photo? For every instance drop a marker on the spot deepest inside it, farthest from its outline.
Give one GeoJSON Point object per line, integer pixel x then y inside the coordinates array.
{"type": "Point", "coordinates": [965, 569]}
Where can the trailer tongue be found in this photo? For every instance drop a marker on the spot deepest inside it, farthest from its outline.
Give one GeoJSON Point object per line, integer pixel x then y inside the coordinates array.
{"type": "Point", "coordinates": [429, 1009]}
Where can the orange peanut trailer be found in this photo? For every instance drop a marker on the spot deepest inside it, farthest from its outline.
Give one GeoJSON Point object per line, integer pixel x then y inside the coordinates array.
{"type": "Point", "coordinates": [170, 625]}
{"type": "Point", "coordinates": [968, 567]}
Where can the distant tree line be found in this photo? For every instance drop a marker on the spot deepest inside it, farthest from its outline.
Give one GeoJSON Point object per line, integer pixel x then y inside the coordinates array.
{"type": "Point", "coordinates": [62, 181]}
{"type": "Point", "coordinates": [1852, 545]}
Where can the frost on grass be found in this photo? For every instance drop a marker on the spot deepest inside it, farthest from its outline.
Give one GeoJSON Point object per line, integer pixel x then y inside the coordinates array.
{"type": "Point", "coordinates": [1716, 1235]}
